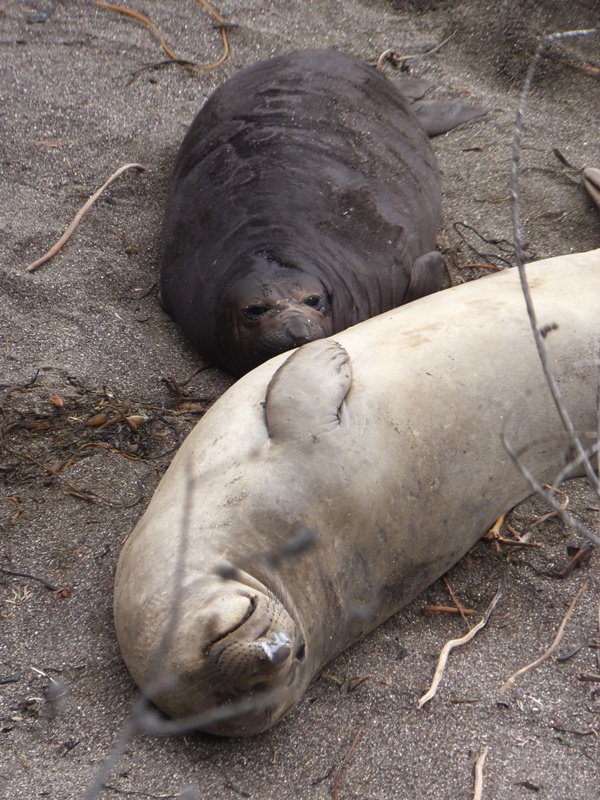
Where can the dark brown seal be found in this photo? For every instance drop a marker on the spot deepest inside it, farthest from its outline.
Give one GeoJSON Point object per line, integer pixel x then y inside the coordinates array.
{"type": "Point", "coordinates": [305, 198]}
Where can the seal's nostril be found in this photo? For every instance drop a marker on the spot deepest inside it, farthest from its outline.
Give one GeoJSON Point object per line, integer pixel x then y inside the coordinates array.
{"type": "Point", "coordinates": [277, 648]}
{"type": "Point", "coordinates": [297, 331]}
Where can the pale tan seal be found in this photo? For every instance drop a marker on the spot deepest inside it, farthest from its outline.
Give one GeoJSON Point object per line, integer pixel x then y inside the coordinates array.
{"type": "Point", "coordinates": [386, 445]}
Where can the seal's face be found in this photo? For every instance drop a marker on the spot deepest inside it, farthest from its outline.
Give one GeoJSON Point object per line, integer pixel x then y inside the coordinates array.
{"type": "Point", "coordinates": [236, 657]}
{"type": "Point", "coordinates": [275, 308]}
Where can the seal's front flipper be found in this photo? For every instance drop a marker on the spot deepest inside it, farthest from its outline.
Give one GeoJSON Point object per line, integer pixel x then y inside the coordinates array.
{"type": "Point", "coordinates": [413, 88]}
{"type": "Point", "coordinates": [591, 181]}
{"type": "Point", "coordinates": [305, 394]}
{"type": "Point", "coordinates": [440, 116]}
{"type": "Point", "coordinates": [426, 276]}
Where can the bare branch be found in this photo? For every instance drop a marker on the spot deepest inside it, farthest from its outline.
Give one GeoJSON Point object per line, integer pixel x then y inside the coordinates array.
{"type": "Point", "coordinates": [548, 496]}
{"type": "Point", "coordinates": [520, 253]}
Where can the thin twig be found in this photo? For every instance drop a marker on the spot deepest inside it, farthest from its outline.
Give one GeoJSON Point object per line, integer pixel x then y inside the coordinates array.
{"type": "Point", "coordinates": [456, 601]}
{"type": "Point", "coordinates": [450, 645]}
{"type": "Point", "coordinates": [598, 456]}
{"type": "Point", "coordinates": [391, 55]}
{"type": "Point", "coordinates": [520, 252]}
{"type": "Point", "coordinates": [587, 676]}
{"type": "Point", "coordinates": [28, 575]}
{"type": "Point", "coordinates": [479, 774]}
{"type": "Point", "coordinates": [478, 266]}
{"type": "Point", "coordinates": [512, 542]}
{"type": "Point", "coordinates": [582, 552]}
{"type": "Point", "coordinates": [44, 675]}
{"type": "Point", "coordinates": [77, 219]}
{"type": "Point", "coordinates": [591, 181]}
{"type": "Point", "coordinates": [598, 650]}
{"type": "Point", "coordinates": [547, 496]}
{"type": "Point", "coordinates": [430, 609]}
{"type": "Point", "coordinates": [569, 470]}
{"type": "Point", "coordinates": [551, 514]}
{"type": "Point", "coordinates": [334, 791]}
{"type": "Point", "coordinates": [545, 656]}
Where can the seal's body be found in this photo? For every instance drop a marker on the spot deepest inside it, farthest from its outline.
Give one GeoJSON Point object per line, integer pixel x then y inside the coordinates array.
{"type": "Point", "coordinates": [305, 198]}
{"type": "Point", "coordinates": [385, 445]}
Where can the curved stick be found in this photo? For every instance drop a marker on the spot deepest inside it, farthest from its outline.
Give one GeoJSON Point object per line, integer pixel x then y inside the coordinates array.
{"type": "Point", "coordinates": [545, 656]}
{"type": "Point", "coordinates": [450, 645]}
{"type": "Point", "coordinates": [77, 219]}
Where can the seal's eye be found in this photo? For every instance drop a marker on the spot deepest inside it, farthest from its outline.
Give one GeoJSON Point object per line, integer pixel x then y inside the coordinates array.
{"type": "Point", "coordinates": [313, 301]}
{"type": "Point", "coordinates": [255, 312]}
{"type": "Point", "coordinates": [300, 652]}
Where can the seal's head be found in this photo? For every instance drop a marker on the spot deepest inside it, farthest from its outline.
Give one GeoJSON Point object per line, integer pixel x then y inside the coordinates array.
{"type": "Point", "coordinates": [234, 656]}
{"type": "Point", "coordinates": [272, 308]}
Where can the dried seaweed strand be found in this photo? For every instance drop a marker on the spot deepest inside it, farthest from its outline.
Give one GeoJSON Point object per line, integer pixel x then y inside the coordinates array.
{"type": "Point", "coordinates": [77, 219]}
{"type": "Point", "coordinates": [479, 774]}
{"type": "Point", "coordinates": [145, 21]}
{"type": "Point", "coordinates": [140, 18]}
{"type": "Point", "coordinates": [545, 656]}
{"type": "Point", "coordinates": [450, 645]}
{"type": "Point", "coordinates": [221, 21]}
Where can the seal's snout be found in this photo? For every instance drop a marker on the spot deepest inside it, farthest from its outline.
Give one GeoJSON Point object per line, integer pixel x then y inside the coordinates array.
{"type": "Point", "coordinates": [298, 329]}
{"type": "Point", "coordinates": [235, 655]}
{"type": "Point", "coordinates": [254, 639]}
{"type": "Point", "coordinates": [297, 325]}
{"type": "Point", "coordinates": [278, 649]}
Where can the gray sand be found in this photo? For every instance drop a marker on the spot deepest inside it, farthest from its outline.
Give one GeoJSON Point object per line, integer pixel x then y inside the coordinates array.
{"type": "Point", "coordinates": [87, 326]}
